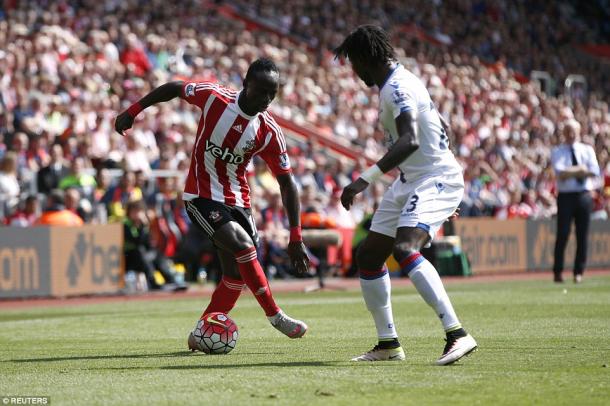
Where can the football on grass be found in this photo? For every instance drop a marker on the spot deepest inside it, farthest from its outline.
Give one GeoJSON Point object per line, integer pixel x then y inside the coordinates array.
{"type": "Point", "coordinates": [215, 333]}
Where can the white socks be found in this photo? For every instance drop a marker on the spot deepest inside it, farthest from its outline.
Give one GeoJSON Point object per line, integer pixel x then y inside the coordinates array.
{"type": "Point", "coordinates": [376, 290]}
{"type": "Point", "coordinates": [429, 285]}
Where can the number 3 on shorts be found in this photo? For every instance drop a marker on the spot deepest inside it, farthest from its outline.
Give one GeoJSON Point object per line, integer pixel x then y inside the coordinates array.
{"type": "Point", "coordinates": [412, 204]}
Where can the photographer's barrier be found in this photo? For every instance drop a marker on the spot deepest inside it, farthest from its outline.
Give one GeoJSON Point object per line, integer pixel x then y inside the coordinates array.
{"type": "Point", "coordinates": [494, 246]}
{"type": "Point", "coordinates": [60, 261]}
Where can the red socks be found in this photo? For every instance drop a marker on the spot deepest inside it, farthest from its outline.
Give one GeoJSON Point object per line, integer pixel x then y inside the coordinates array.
{"type": "Point", "coordinates": [253, 275]}
{"type": "Point", "coordinates": [225, 296]}
{"type": "Point", "coordinates": [228, 290]}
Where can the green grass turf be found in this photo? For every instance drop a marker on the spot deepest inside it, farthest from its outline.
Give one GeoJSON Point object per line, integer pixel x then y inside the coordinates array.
{"type": "Point", "coordinates": [538, 345]}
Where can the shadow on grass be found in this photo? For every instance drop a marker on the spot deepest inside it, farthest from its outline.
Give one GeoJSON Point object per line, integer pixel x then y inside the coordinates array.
{"type": "Point", "coordinates": [184, 354]}
{"type": "Point", "coordinates": [174, 354]}
{"type": "Point", "coordinates": [5, 318]}
{"type": "Point", "coordinates": [112, 356]}
{"type": "Point", "coordinates": [294, 364]}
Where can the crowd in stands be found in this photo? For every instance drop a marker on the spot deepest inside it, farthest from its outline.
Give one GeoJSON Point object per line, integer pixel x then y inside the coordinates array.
{"type": "Point", "coordinates": [524, 35]}
{"type": "Point", "coordinates": [504, 126]}
{"type": "Point", "coordinates": [68, 67]}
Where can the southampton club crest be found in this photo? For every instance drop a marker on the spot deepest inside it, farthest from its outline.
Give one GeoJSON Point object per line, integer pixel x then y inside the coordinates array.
{"type": "Point", "coordinates": [249, 145]}
{"type": "Point", "coordinates": [215, 216]}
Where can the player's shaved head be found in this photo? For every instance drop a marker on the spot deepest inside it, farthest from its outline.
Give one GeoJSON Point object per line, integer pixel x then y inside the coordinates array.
{"type": "Point", "coordinates": [261, 65]}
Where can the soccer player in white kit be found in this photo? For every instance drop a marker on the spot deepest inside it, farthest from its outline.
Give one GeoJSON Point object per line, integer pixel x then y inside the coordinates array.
{"type": "Point", "coordinates": [428, 191]}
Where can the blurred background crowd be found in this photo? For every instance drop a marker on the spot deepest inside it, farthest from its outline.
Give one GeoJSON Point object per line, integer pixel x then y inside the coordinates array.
{"type": "Point", "coordinates": [68, 67]}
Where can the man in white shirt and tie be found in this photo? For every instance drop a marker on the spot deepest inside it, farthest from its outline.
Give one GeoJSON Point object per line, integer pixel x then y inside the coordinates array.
{"type": "Point", "coordinates": [577, 172]}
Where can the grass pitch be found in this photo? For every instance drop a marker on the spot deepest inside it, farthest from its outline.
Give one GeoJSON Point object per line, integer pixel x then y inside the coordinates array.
{"type": "Point", "coordinates": [539, 344]}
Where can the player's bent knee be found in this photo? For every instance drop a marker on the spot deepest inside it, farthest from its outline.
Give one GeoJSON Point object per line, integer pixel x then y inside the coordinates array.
{"type": "Point", "coordinates": [243, 247]}
{"type": "Point", "coordinates": [404, 250]}
{"type": "Point", "coordinates": [232, 273]}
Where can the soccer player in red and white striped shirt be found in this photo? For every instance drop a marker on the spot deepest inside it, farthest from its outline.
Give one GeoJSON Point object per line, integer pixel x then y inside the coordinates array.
{"type": "Point", "coordinates": [235, 126]}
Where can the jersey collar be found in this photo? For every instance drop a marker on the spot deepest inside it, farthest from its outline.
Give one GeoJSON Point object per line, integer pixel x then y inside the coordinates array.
{"type": "Point", "coordinates": [389, 75]}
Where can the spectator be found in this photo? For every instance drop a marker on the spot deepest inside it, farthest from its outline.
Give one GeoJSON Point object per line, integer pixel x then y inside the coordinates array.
{"type": "Point", "coordinates": [49, 176]}
{"type": "Point", "coordinates": [165, 229]}
{"type": "Point", "coordinates": [274, 230]}
{"type": "Point", "coordinates": [77, 178]}
{"type": "Point", "coordinates": [139, 255]}
{"type": "Point", "coordinates": [336, 211]}
{"type": "Point", "coordinates": [117, 197]}
{"type": "Point", "coordinates": [102, 183]}
{"type": "Point", "coordinates": [27, 215]}
{"type": "Point", "coordinates": [78, 205]}
{"type": "Point", "coordinates": [100, 140]}
{"type": "Point", "coordinates": [56, 214]}
{"type": "Point", "coordinates": [19, 145]}
{"type": "Point", "coordinates": [136, 159]}
{"type": "Point", "coordinates": [9, 185]}
{"type": "Point", "coordinates": [36, 154]}
{"type": "Point", "coordinates": [134, 57]}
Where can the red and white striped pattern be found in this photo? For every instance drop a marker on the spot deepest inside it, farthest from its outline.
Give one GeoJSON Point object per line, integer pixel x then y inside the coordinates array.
{"type": "Point", "coordinates": [233, 285]}
{"type": "Point", "coordinates": [226, 141]}
{"type": "Point", "coordinates": [247, 255]}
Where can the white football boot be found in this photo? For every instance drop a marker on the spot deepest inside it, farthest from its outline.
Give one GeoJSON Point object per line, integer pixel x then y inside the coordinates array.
{"type": "Point", "coordinates": [380, 354]}
{"type": "Point", "coordinates": [456, 348]}
{"type": "Point", "coordinates": [293, 328]}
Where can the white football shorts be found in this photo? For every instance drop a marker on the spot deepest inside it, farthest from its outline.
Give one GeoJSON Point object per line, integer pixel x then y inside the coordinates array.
{"type": "Point", "coordinates": [425, 203]}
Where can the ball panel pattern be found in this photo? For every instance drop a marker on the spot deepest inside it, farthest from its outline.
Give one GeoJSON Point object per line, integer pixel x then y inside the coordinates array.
{"type": "Point", "coordinates": [216, 334]}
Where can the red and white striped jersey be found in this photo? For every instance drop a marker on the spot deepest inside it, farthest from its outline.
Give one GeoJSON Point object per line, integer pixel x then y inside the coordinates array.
{"type": "Point", "coordinates": [227, 139]}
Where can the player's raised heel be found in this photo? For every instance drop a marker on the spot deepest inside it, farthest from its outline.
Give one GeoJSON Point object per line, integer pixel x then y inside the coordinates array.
{"type": "Point", "coordinates": [381, 354]}
{"type": "Point", "coordinates": [293, 328]}
{"type": "Point", "coordinates": [456, 348]}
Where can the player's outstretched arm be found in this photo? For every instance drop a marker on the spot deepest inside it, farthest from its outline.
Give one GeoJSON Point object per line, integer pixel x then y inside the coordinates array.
{"type": "Point", "coordinates": [163, 93]}
{"type": "Point", "coordinates": [290, 198]}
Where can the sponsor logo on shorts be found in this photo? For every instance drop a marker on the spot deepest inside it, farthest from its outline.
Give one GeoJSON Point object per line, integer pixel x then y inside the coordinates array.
{"type": "Point", "coordinates": [440, 186]}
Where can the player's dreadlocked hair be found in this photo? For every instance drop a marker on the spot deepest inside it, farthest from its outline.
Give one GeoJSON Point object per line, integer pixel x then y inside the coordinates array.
{"type": "Point", "coordinates": [261, 65]}
{"type": "Point", "coordinates": [367, 43]}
